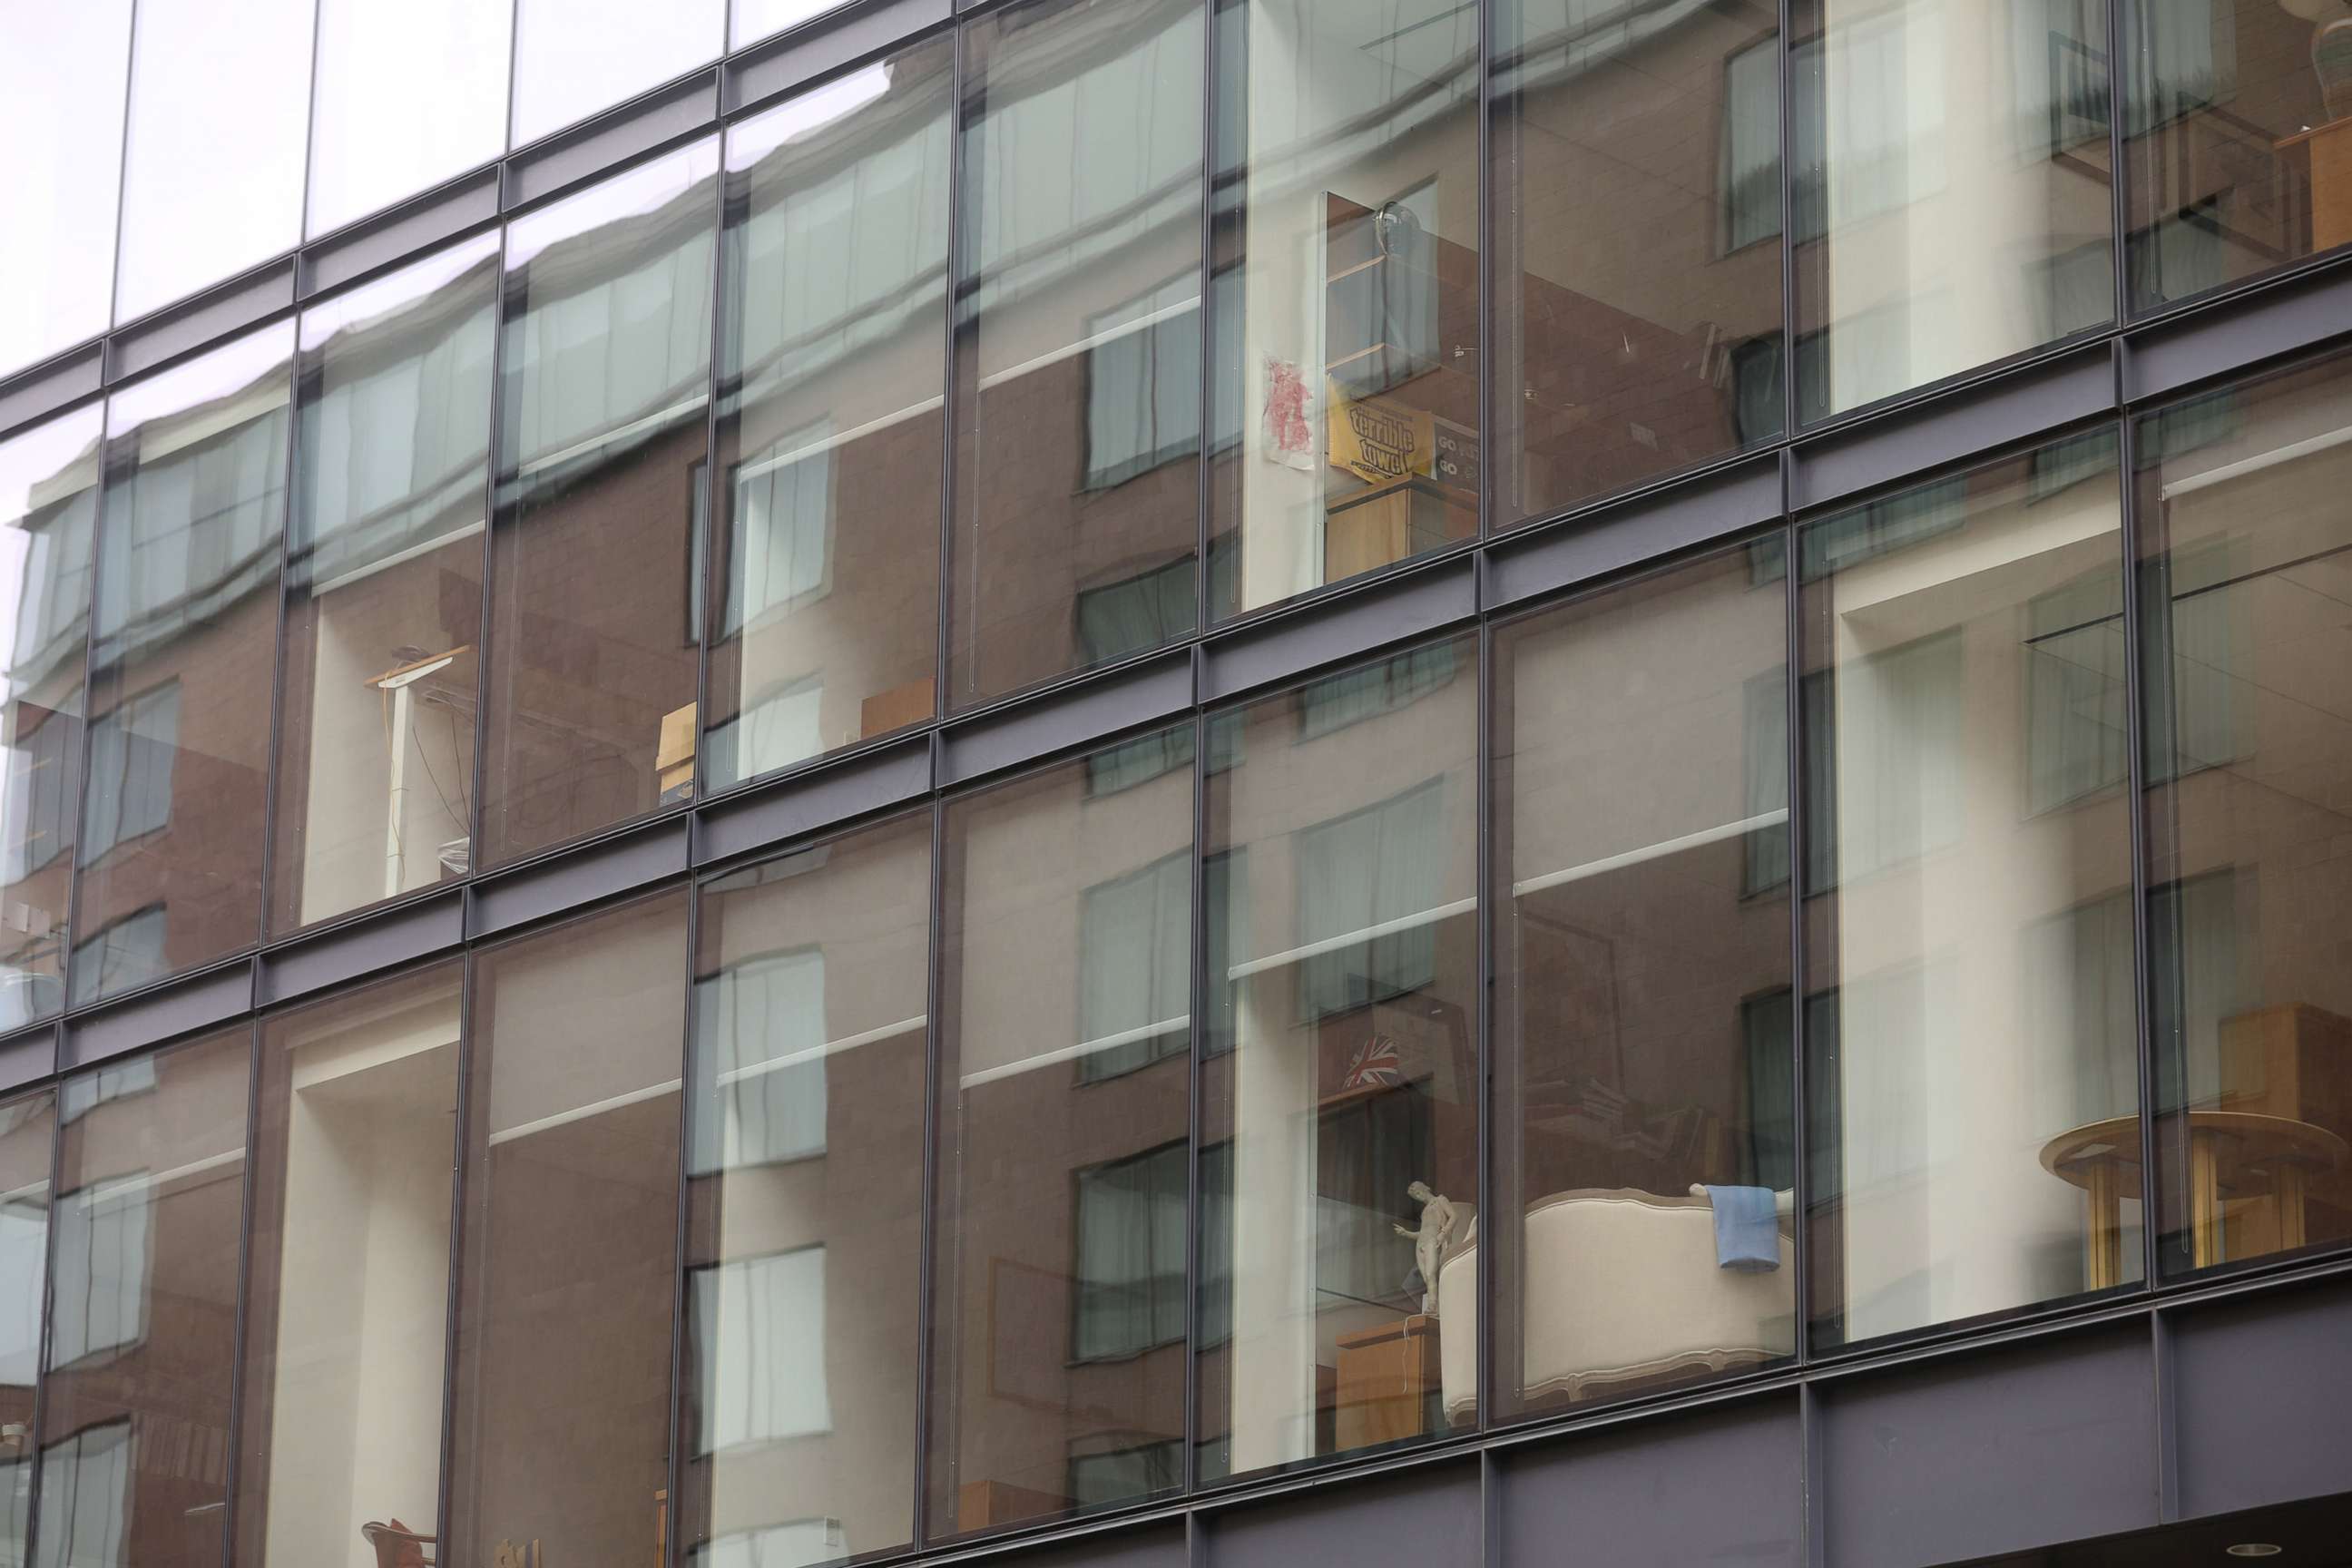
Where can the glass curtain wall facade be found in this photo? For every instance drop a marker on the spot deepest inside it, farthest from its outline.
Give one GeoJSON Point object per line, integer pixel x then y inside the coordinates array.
{"type": "Point", "coordinates": [783, 775]}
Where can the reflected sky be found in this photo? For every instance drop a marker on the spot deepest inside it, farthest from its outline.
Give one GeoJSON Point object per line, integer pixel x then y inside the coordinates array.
{"type": "Point", "coordinates": [61, 76]}
{"type": "Point", "coordinates": [213, 179]}
{"type": "Point", "coordinates": [576, 57]}
{"type": "Point", "coordinates": [407, 96]}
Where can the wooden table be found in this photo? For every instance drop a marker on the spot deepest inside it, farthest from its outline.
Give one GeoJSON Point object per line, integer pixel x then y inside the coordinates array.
{"type": "Point", "coordinates": [2232, 1153]}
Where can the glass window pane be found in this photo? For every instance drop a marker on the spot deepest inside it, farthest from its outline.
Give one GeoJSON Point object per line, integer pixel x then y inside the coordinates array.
{"type": "Point", "coordinates": [1339, 1171]}
{"type": "Point", "coordinates": [2235, 127]}
{"type": "Point", "coordinates": [134, 1427]}
{"type": "Point", "coordinates": [1953, 197]}
{"type": "Point", "coordinates": [574, 57]}
{"type": "Point", "coordinates": [347, 1297]}
{"type": "Point", "coordinates": [602, 439]}
{"type": "Point", "coordinates": [407, 95]}
{"type": "Point", "coordinates": [213, 180]}
{"type": "Point", "coordinates": [1644, 1068]}
{"type": "Point", "coordinates": [1058, 1278]}
{"type": "Point", "coordinates": [1077, 451]}
{"type": "Point", "coordinates": [49, 514]}
{"type": "Point", "coordinates": [570, 1241]}
{"type": "Point", "coordinates": [179, 666]}
{"type": "Point", "coordinates": [757, 19]}
{"type": "Point", "coordinates": [805, 1199]}
{"type": "Point", "coordinates": [1349, 264]}
{"type": "Point", "coordinates": [2244, 547]}
{"type": "Point", "coordinates": [1637, 347]}
{"type": "Point", "coordinates": [1973, 1110]}
{"type": "Point", "coordinates": [375, 757]}
{"type": "Point", "coordinates": [27, 1129]}
{"type": "Point", "coordinates": [61, 81]}
{"type": "Point", "coordinates": [825, 593]}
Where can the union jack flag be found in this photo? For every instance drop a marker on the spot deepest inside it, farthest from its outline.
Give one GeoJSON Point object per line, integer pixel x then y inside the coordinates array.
{"type": "Point", "coordinates": [1377, 1064]}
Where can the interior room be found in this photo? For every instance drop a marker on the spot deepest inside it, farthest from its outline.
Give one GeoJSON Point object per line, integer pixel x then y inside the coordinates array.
{"type": "Point", "coordinates": [1646, 1064]}
{"type": "Point", "coordinates": [1970, 1036]}
{"type": "Point", "coordinates": [1354, 272]}
{"type": "Point", "coordinates": [1344, 1080]}
{"type": "Point", "coordinates": [353, 1169]}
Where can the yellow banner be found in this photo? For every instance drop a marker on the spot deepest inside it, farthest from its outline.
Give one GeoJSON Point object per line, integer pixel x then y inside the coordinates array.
{"type": "Point", "coordinates": [1379, 442]}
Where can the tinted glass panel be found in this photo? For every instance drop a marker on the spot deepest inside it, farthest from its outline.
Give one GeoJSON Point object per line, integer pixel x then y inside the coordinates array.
{"type": "Point", "coordinates": [2235, 127]}
{"type": "Point", "coordinates": [1637, 346]}
{"type": "Point", "coordinates": [1348, 263]}
{"type": "Point", "coordinates": [179, 666]}
{"type": "Point", "coordinates": [1953, 197]}
{"type": "Point", "coordinates": [1968, 1018]}
{"type": "Point", "coordinates": [48, 513]}
{"type": "Point", "coordinates": [561, 1442]}
{"type": "Point", "coordinates": [28, 1128]}
{"type": "Point", "coordinates": [2245, 549]}
{"type": "Point", "coordinates": [806, 1202]}
{"type": "Point", "coordinates": [824, 598]}
{"type": "Point", "coordinates": [1339, 1171]}
{"type": "Point", "coordinates": [1079, 481]}
{"type": "Point", "coordinates": [602, 440]}
{"type": "Point", "coordinates": [574, 57]}
{"type": "Point", "coordinates": [61, 119]}
{"type": "Point", "coordinates": [755, 19]}
{"type": "Point", "coordinates": [213, 179]}
{"type": "Point", "coordinates": [347, 1301]}
{"type": "Point", "coordinates": [1058, 1281]}
{"type": "Point", "coordinates": [406, 97]}
{"type": "Point", "coordinates": [383, 614]}
{"type": "Point", "coordinates": [134, 1431]}
{"type": "Point", "coordinates": [1646, 1075]}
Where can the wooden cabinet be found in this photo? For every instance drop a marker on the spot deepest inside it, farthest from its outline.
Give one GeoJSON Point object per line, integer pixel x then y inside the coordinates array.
{"type": "Point", "coordinates": [1387, 1385]}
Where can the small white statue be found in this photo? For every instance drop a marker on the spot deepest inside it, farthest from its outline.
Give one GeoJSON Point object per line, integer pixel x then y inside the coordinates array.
{"type": "Point", "coordinates": [1429, 1241]}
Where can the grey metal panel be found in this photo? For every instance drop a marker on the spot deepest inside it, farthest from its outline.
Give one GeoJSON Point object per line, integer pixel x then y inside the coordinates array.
{"type": "Point", "coordinates": [796, 807]}
{"type": "Point", "coordinates": [151, 1017]}
{"type": "Point", "coordinates": [231, 308]}
{"type": "Point", "coordinates": [1427, 1517]}
{"type": "Point", "coordinates": [805, 54]}
{"type": "Point", "coordinates": [1525, 565]}
{"type": "Point", "coordinates": [46, 390]}
{"type": "Point", "coordinates": [1067, 719]}
{"type": "Point", "coordinates": [1340, 628]}
{"type": "Point", "coordinates": [2232, 334]}
{"type": "Point", "coordinates": [406, 232]}
{"type": "Point", "coordinates": [2262, 1392]}
{"type": "Point", "coordinates": [331, 958]}
{"type": "Point", "coordinates": [1972, 1455]}
{"type": "Point", "coordinates": [28, 1055]}
{"type": "Point", "coordinates": [1720, 1487]}
{"type": "Point", "coordinates": [2004, 409]}
{"type": "Point", "coordinates": [579, 878]}
{"type": "Point", "coordinates": [1129, 1543]}
{"type": "Point", "coordinates": [573, 157]}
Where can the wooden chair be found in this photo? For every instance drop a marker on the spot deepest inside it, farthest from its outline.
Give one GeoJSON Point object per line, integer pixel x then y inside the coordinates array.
{"type": "Point", "coordinates": [396, 1547]}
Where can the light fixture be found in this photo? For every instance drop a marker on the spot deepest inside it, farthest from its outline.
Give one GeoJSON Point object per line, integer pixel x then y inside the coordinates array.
{"type": "Point", "coordinates": [2253, 1548]}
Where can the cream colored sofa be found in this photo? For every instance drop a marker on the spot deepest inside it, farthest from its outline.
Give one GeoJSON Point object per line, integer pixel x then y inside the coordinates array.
{"type": "Point", "coordinates": [1620, 1286]}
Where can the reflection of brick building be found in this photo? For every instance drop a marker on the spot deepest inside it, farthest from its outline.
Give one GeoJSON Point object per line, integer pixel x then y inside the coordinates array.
{"type": "Point", "coordinates": [134, 1430]}
{"type": "Point", "coordinates": [181, 662]}
{"type": "Point", "coordinates": [43, 735]}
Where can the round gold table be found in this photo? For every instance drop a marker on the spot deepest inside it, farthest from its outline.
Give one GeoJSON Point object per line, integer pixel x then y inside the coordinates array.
{"type": "Point", "coordinates": [2232, 1153]}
